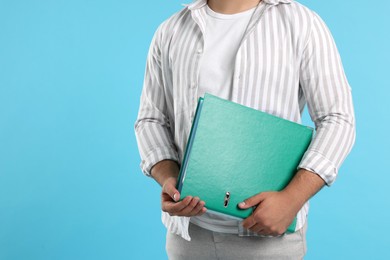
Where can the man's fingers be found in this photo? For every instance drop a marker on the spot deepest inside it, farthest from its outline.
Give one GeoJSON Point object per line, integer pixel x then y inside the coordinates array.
{"type": "Point", "coordinates": [252, 201]}
{"type": "Point", "coordinates": [249, 222]}
{"type": "Point", "coordinates": [186, 211]}
{"type": "Point", "coordinates": [194, 202]}
{"type": "Point", "coordinates": [189, 206]}
{"type": "Point", "coordinates": [174, 207]}
{"type": "Point", "coordinates": [258, 229]}
{"type": "Point", "coordinates": [172, 191]}
{"type": "Point", "coordinates": [179, 206]}
{"type": "Point", "coordinates": [197, 210]}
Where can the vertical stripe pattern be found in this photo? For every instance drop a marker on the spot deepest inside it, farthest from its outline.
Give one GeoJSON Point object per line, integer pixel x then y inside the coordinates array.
{"type": "Point", "coordinates": [288, 58]}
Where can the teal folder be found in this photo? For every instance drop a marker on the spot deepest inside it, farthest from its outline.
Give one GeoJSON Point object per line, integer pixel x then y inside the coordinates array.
{"type": "Point", "coordinates": [234, 152]}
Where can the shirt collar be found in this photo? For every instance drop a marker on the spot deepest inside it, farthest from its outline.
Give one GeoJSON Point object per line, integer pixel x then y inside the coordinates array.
{"type": "Point", "coordinates": [199, 3]}
{"type": "Point", "coordinates": [276, 2]}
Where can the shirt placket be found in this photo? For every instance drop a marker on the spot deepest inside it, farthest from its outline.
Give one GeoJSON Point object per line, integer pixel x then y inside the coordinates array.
{"type": "Point", "coordinates": [196, 16]}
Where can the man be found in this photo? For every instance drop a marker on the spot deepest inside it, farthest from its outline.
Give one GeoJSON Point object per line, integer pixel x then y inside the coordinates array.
{"type": "Point", "coordinates": [271, 55]}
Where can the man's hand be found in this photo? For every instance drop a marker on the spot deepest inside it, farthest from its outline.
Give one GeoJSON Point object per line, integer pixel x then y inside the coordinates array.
{"type": "Point", "coordinates": [165, 173]}
{"type": "Point", "coordinates": [274, 213]}
{"type": "Point", "coordinates": [189, 206]}
{"type": "Point", "coordinates": [276, 210]}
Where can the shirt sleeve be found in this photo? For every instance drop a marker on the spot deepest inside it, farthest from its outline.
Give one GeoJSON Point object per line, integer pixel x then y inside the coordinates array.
{"type": "Point", "coordinates": [152, 127]}
{"type": "Point", "coordinates": [329, 101]}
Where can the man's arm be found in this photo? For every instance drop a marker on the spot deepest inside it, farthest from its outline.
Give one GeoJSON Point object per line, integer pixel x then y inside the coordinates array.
{"type": "Point", "coordinates": [155, 141]}
{"type": "Point", "coordinates": [165, 173]}
{"type": "Point", "coordinates": [329, 99]}
{"type": "Point", "coordinates": [303, 186]}
{"type": "Point", "coordinates": [163, 170]}
{"type": "Point", "coordinates": [152, 127]}
{"type": "Point", "coordinates": [276, 210]}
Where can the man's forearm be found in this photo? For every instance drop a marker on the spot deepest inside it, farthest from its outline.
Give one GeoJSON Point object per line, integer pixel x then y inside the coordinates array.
{"type": "Point", "coordinates": [163, 170]}
{"type": "Point", "coordinates": [303, 186]}
{"type": "Point", "coordinates": [276, 210]}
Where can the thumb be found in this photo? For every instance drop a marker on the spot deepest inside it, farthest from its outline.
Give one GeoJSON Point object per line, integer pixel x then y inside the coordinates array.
{"type": "Point", "coordinates": [252, 201]}
{"type": "Point", "coordinates": [170, 189]}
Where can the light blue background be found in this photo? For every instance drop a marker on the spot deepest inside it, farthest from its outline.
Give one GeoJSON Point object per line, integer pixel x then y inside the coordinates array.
{"type": "Point", "coordinates": [71, 75]}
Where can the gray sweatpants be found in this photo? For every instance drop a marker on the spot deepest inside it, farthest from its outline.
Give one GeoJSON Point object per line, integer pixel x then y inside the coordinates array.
{"type": "Point", "coordinates": [206, 244]}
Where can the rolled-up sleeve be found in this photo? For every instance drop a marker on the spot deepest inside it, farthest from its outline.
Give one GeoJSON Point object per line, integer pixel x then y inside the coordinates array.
{"type": "Point", "coordinates": [329, 101]}
{"type": "Point", "coordinates": [152, 127]}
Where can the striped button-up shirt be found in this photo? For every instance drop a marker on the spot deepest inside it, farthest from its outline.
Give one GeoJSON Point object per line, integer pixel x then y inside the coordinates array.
{"type": "Point", "coordinates": [287, 59]}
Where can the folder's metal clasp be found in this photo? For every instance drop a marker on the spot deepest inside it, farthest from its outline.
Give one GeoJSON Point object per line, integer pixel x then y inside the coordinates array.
{"type": "Point", "coordinates": [227, 199]}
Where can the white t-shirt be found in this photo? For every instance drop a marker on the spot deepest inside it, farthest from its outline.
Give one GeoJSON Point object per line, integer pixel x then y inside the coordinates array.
{"type": "Point", "coordinates": [222, 38]}
{"type": "Point", "coordinates": [221, 41]}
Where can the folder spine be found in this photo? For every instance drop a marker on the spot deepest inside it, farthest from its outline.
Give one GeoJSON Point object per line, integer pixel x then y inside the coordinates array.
{"type": "Point", "coordinates": [182, 173]}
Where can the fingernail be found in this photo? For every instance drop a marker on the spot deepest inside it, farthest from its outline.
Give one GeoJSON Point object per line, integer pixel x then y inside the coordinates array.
{"type": "Point", "coordinates": [241, 204]}
{"type": "Point", "coordinates": [175, 196]}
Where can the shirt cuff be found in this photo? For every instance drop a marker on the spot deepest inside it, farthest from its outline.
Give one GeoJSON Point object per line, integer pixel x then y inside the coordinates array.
{"type": "Point", "coordinates": [157, 155]}
{"type": "Point", "coordinates": [319, 164]}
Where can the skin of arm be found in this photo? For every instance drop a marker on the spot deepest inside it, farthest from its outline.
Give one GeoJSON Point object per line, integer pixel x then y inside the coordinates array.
{"type": "Point", "coordinates": [275, 211]}
{"type": "Point", "coordinates": [166, 173]}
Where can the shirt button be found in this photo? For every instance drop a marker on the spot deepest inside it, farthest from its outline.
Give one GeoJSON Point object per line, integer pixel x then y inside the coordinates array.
{"type": "Point", "coordinates": [193, 85]}
{"type": "Point", "coordinates": [200, 50]}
